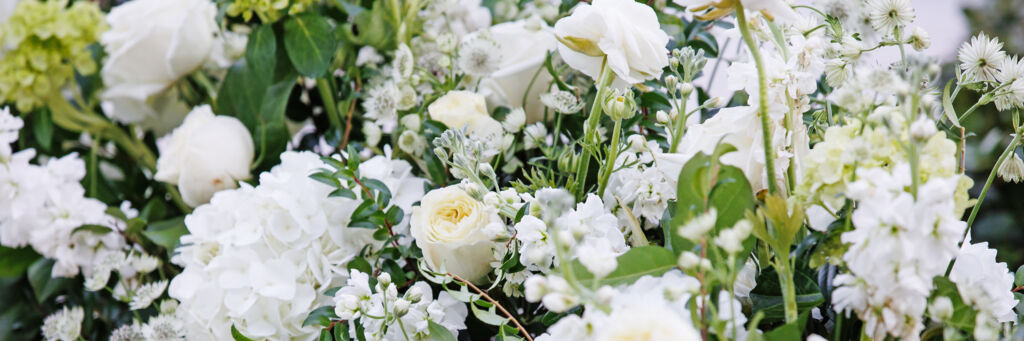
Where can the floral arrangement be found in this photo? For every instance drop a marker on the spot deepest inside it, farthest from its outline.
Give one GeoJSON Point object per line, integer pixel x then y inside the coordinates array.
{"type": "Point", "coordinates": [495, 170]}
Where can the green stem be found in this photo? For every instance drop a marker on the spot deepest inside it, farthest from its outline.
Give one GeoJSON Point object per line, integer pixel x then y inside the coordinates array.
{"type": "Point", "coordinates": [677, 132]}
{"type": "Point", "coordinates": [991, 176]}
{"type": "Point", "coordinates": [762, 81]}
{"type": "Point", "coordinates": [785, 273]}
{"type": "Point", "coordinates": [327, 96]}
{"type": "Point", "coordinates": [609, 164]}
{"type": "Point", "coordinates": [590, 134]}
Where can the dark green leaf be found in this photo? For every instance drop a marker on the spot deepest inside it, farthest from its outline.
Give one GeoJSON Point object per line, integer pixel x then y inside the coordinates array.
{"type": "Point", "coordinates": [166, 233]}
{"type": "Point", "coordinates": [97, 229]}
{"type": "Point", "coordinates": [361, 264]}
{"type": "Point", "coordinates": [309, 43]}
{"type": "Point", "coordinates": [691, 191]}
{"type": "Point", "coordinates": [261, 50]}
{"type": "Point", "coordinates": [1019, 277]}
{"type": "Point", "coordinates": [635, 263]}
{"type": "Point", "coordinates": [342, 192]}
{"type": "Point", "coordinates": [43, 284]}
{"type": "Point", "coordinates": [14, 262]}
{"type": "Point", "coordinates": [963, 314]}
{"type": "Point", "coordinates": [325, 335]}
{"type": "Point", "coordinates": [42, 126]}
{"type": "Point", "coordinates": [321, 316]}
{"type": "Point", "coordinates": [340, 331]}
{"type": "Point", "coordinates": [767, 295]}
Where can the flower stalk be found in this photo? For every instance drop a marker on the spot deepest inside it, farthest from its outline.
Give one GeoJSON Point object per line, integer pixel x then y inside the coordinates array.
{"type": "Point", "coordinates": [762, 81]}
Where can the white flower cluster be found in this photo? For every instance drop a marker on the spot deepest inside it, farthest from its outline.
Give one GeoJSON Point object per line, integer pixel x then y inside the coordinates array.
{"type": "Point", "coordinates": [168, 325]}
{"type": "Point", "coordinates": [386, 315]}
{"type": "Point", "coordinates": [588, 233]}
{"type": "Point", "coordinates": [640, 189]}
{"type": "Point", "coordinates": [984, 283]}
{"type": "Point", "coordinates": [44, 205]}
{"type": "Point", "coordinates": [260, 258]}
{"type": "Point", "coordinates": [899, 244]}
{"type": "Point", "coordinates": [983, 60]}
{"type": "Point", "coordinates": [64, 325]}
{"type": "Point", "coordinates": [652, 308]}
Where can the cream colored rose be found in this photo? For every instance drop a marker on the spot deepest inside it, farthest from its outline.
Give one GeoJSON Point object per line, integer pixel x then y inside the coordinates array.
{"type": "Point", "coordinates": [449, 227]}
{"type": "Point", "coordinates": [524, 46]}
{"type": "Point", "coordinates": [150, 45]}
{"type": "Point", "coordinates": [458, 109]}
{"type": "Point", "coordinates": [206, 154]}
{"type": "Point", "coordinates": [624, 33]}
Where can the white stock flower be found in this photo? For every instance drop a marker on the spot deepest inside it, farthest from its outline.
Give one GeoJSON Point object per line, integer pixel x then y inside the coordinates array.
{"type": "Point", "coordinates": [523, 46]}
{"type": "Point", "coordinates": [449, 227]}
{"type": "Point", "coordinates": [64, 325]}
{"type": "Point", "coordinates": [410, 315]}
{"type": "Point", "coordinates": [981, 58]}
{"type": "Point", "coordinates": [206, 154]}
{"type": "Point", "coordinates": [150, 45]}
{"type": "Point", "coordinates": [465, 109]}
{"type": "Point", "coordinates": [623, 33]}
{"type": "Point", "coordinates": [982, 282]}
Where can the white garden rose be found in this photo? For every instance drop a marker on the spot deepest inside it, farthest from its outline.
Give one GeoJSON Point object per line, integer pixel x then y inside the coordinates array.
{"type": "Point", "coordinates": [206, 154]}
{"type": "Point", "coordinates": [524, 46]}
{"type": "Point", "coordinates": [458, 109]}
{"type": "Point", "coordinates": [449, 227]}
{"type": "Point", "coordinates": [150, 45]}
{"type": "Point", "coordinates": [625, 33]}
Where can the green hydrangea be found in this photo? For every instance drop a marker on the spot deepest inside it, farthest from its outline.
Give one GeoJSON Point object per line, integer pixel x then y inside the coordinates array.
{"type": "Point", "coordinates": [48, 41]}
{"type": "Point", "coordinates": [267, 10]}
{"type": "Point", "coordinates": [830, 165]}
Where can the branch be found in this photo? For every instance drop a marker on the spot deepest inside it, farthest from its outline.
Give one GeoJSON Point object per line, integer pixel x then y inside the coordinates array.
{"type": "Point", "coordinates": [495, 303]}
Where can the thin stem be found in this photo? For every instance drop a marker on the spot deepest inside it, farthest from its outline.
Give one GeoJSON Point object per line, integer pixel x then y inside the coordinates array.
{"type": "Point", "coordinates": [495, 303]}
{"type": "Point", "coordinates": [681, 117]}
{"type": "Point", "coordinates": [991, 176]}
{"type": "Point", "coordinates": [785, 272]}
{"type": "Point", "coordinates": [327, 96]}
{"type": "Point", "coordinates": [762, 81]}
{"type": "Point", "coordinates": [609, 164]}
{"type": "Point", "coordinates": [591, 127]}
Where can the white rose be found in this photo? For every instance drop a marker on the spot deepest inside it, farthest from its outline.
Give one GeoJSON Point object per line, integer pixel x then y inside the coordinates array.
{"type": "Point", "coordinates": [449, 227]}
{"type": "Point", "coordinates": [150, 45]}
{"type": "Point", "coordinates": [206, 154]}
{"type": "Point", "coordinates": [458, 109]}
{"type": "Point", "coordinates": [524, 46]}
{"type": "Point", "coordinates": [625, 32]}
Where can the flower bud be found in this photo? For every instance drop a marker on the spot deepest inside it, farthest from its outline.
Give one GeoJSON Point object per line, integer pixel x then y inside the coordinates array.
{"type": "Point", "coordinates": [558, 302]}
{"type": "Point", "coordinates": [411, 122]}
{"type": "Point", "coordinates": [605, 295]}
{"type": "Point", "coordinates": [941, 309]}
{"type": "Point", "coordinates": [384, 279]}
{"type": "Point", "coordinates": [661, 116]}
{"type": "Point", "coordinates": [671, 81]}
{"type": "Point", "coordinates": [922, 128]}
{"type": "Point", "coordinates": [637, 143]}
{"type": "Point", "coordinates": [714, 102]}
{"type": "Point", "coordinates": [401, 307]}
{"type": "Point", "coordinates": [486, 169]}
{"type": "Point", "coordinates": [414, 295]}
{"type": "Point", "coordinates": [686, 89]}
{"type": "Point", "coordinates": [372, 133]}
{"type": "Point", "coordinates": [620, 105]}
{"type": "Point", "coordinates": [673, 62]}
{"type": "Point", "coordinates": [492, 199]}
{"type": "Point", "coordinates": [688, 260]}
{"type": "Point", "coordinates": [535, 288]}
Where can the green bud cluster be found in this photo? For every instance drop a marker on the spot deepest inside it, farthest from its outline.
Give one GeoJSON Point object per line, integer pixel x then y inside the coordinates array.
{"type": "Point", "coordinates": [47, 42]}
{"type": "Point", "coordinates": [267, 10]}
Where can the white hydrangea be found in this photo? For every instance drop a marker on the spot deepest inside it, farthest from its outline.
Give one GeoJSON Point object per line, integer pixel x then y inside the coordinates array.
{"type": "Point", "coordinates": [44, 205]}
{"type": "Point", "coordinates": [642, 190]}
{"type": "Point", "coordinates": [260, 258]}
{"type": "Point", "coordinates": [898, 245]}
{"type": "Point", "coordinates": [386, 315]}
{"type": "Point", "coordinates": [984, 283]}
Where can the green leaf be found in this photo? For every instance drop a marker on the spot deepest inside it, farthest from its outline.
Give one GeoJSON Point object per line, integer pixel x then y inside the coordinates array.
{"type": "Point", "coordinates": [238, 335]}
{"type": "Point", "coordinates": [340, 331]}
{"type": "Point", "coordinates": [42, 126]}
{"type": "Point", "coordinates": [325, 335]}
{"type": "Point", "coordinates": [947, 106]}
{"type": "Point", "coordinates": [1018, 279]}
{"type": "Point", "coordinates": [691, 190]}
{"type": "Point", "coordinates": [43, 284]}
{"type": "Point", "coordinates": [97, 229]}
{"type": "Point", "coordinates": [439, 332]}
{"type": "Point", "coordinates": [14, 262]}
{"type": "Point", "coordinates": [166, 233]}
{"type": "Point", "coordinates": [321, 316]}
{"type": "Point", "coordinates": [732, 198]}
{"type": "Point", "coordinates": [261, 50]}
{"type": "Point", "coordinates": [361, 264]}
{"type": "Point", "coordinates": [488, 316]}
{"type": "Point", "coordinates": [309, 43]}
{"type": "Point", "coordinates": [790, 331]}
{"type": "Point", "coordinates": [635, 263]}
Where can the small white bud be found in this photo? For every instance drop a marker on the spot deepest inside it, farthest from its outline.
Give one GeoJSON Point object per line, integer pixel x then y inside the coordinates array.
{"type": "Point", "coordinates": [558, 302]}
{"type": "Point", "coordinates": [671, 81]}
{"type": "Point", "coordinates": [686, 89]}
{"type": "Point", "coordinates": [414, 295]}
{"type": "Point", "coordinates": [941, 309]}
{"type": "Point", "coordinates": [605, 295]}
{"type": "Point", "coordinates": [714, 102]}
{"type": "Point", "coordinates": [411, 122]}
{"type": "Point", "coordinates": [661, 116]}
{"type": "Point", "coordinates": [688, 260]}
{"type": "Point", "coordinates": [372, 133]}
{"type": "Point", "coordinates": [384, 279]}
{"type": "Point", "coordinates": [535, 288]}
{"type": "Point", "coordinates": [401, 307]}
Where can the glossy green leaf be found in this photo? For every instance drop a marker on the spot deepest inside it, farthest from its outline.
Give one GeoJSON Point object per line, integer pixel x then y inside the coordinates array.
{"type": "Point", "coordinates": [261, 50]}
{"type": "Point", "coordinates": [635, 263]}
{"type": "Point", "coordinates": [44, 285]}
{"type": "Point", "coordinates": [320, 316]}
{"type": "Point", "coordinates": [439, 332]}
{"type": "Point", "coordinates": [235, 334]}
{"type": "Point", "coordinates": [310, 43]}
{"type": "Point", "coordinates": [166, 233]}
